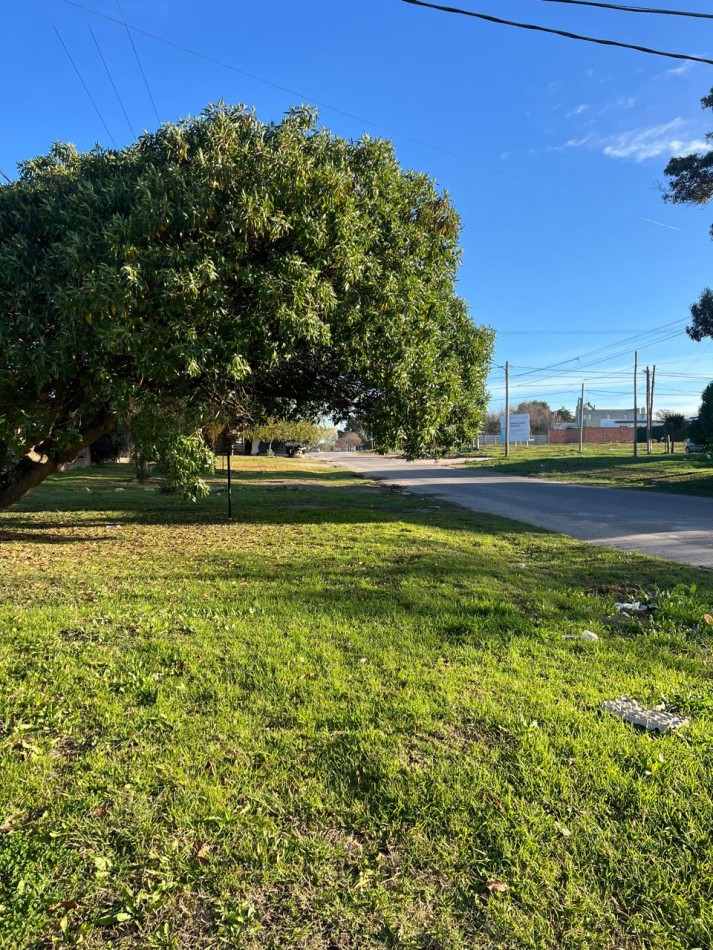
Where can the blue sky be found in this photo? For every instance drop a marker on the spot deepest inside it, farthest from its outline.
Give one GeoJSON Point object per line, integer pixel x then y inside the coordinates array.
{"type": "Point", "coordinates": [553, 151]}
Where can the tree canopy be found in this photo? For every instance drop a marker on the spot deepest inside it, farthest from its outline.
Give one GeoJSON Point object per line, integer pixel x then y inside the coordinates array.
{"type": "Point", "coordinates": [540, 415]}
{"type": "Point", "coordinates": [295, 432]}
{"type": "Point", "coordinates": [674, 426]}
{"type": "Point", "coordinates": [702, 429]}
{"type": "Point", "coordinates": [226, 269]}
{"type": "Point", "coordinates": [691, 182]}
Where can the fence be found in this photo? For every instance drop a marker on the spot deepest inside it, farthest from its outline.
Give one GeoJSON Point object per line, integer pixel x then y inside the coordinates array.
{"type": "Point", "coordinates": [497, 440]}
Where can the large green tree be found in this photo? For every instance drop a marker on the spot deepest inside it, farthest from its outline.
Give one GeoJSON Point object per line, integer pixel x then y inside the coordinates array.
{"type": "Point", "coordinates": [691, 182]}
{"type": "Point", "coordinates": [226, 269]}
{"type": "Point", "coordinates": [702, 427]}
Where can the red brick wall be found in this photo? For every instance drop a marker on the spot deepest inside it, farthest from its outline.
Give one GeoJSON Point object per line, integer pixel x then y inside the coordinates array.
{"type": "Point", "coordinates": [592, 436]}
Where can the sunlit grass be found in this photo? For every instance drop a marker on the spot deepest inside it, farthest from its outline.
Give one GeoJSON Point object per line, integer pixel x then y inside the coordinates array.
{"type": "Point", "coordinates": [337, 721]}
{"type": "Point", "coordinates": [611, 465]}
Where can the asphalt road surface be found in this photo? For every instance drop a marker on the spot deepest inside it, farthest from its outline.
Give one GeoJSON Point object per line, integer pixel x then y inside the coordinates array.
{"type": "Point", "coordinates": [674, 527]}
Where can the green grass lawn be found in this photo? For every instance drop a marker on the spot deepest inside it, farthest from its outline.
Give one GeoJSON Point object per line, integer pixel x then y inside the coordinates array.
{"type": "Point", "coordinates": [347, 720]}
{"type": "Point", "coordinates": [611, 465]}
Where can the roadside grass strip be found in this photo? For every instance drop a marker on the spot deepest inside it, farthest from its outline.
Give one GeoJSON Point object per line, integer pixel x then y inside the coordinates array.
{"type": "Point", "coordinates": [614, 466]}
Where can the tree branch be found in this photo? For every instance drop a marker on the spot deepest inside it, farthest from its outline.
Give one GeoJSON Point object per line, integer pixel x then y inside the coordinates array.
{"type": "Point", "coordinates": [44, 459]}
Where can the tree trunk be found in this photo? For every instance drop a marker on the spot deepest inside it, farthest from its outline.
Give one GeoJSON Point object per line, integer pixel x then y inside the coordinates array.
{"type": "Point", "coordinates": [44, 459]}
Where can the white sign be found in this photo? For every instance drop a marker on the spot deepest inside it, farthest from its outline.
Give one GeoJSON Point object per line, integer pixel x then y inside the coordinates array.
{"type": "Point", "coordinates": [519, 427]}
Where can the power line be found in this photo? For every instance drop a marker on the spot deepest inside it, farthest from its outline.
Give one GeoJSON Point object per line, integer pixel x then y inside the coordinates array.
{"type": "Point", "coordinates": [612, 356]}
{"type": "Point", "coordinates": [608, 346]}
{"type": "Point", "coordinates": [362, 119]}
{"type": "Point", "coordinates": [567, 35]}
{"type": "Point", "coordinates": [136, 54]}
{"type": "Point", "coordinates": [628, 9]}
{"type": "Point", "coordinates": [76, 69]}
{"type": "Point", "coordinates": [564, 333]}
{"type": "Point", "coordinates": [111, 78]}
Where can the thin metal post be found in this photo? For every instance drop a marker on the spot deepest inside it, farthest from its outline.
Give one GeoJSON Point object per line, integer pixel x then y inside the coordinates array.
{"type": "Point", "coordinates": [636, 410]}
{"type": "Point", "coordinates": [507, 408]}
{"type": "Point", "coordinates": [581, 422]}
{"type": "Point", "coordinates": [230, 484]}
{"type": "Point", "coordinates": [653, 384]}
{"type": "Point", "coordinates": [648, 411]}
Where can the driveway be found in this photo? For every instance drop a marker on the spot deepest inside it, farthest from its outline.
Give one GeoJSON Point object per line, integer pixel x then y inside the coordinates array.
{"type": "Point", "coordinates": [674, 527]}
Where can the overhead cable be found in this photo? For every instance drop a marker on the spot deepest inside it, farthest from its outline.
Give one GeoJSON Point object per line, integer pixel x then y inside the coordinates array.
{"type": "Point", "coordinates": [138, 61]}
{"type": "Point", "coordinates": [79, 75]}
{"type": "Point", "coordinates": [111, 78]}
{"type": "Point", "coordinates": [625, 8]}
{"type": "Point", "coordinates": [600, 349]}
{"type": "Point", "coordinates": [565, 33]}
{"type": "Point", "coordinates": [362, 119]}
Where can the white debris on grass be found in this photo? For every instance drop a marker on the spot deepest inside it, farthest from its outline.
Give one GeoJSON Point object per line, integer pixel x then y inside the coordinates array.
{"type": "Point", "coordinates": [585, 635]}
{"type": "Point", "coordinates": [655, 720]}
{"type": "Point", "coordinates": [635, 607]}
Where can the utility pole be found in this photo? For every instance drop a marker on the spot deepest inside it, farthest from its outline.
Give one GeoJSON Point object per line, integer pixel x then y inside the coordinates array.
{"type": "Point", "coordinates": [581, 421]}
{"type": "Point", "coordinates": [507, 408]}
{"type": "Point", "coordinates": [648, 411]}
{"type": "Point", "coordinates": [636, 418]}
{"type": "Point", "coordinates": [651, 399]}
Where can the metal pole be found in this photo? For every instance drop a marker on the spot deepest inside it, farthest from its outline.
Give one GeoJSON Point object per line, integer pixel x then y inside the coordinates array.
{"type": "Point", "coordinates": [651, 397]}
{"type": "Point", "coordinates": [648, 411]}
{"type": "Point", "coordinates": [581, 422]}
{"type": "Point", "coordinates": [230, 484]}
{"type": "Point", "coordinates": [636, 419]}
{"type": "Point", "coordinates": [507, 408]}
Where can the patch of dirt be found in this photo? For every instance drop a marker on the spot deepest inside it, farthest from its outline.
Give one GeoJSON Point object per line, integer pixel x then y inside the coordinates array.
{"type": "Point", "coordinates": [619, 591]}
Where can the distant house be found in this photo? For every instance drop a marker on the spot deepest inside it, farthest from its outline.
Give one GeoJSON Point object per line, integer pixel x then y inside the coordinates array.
{"type": "Point", "coordinates": [83, 460]}
{"type": "Point", "coordinates": [609, 418]}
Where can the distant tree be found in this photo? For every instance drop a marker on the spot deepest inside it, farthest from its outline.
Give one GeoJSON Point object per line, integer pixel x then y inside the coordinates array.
{"type": "Point", "coordinates": [691, 182]}
{"type": "Point", "coordinates": [702, 429]}
{"type": "Point", "coordinates": [349, 440]}
{"type": "Point", "coordinates": [491, 423]}
{"type": "Point", "coordinates": [674, 426]}
{"type": "Point", "coordinates": [290, 432]}
{"type": "Point", "coordinates": [540, 415]}
{"type": "Point", "coordinates": [563, 415]}
{"type": "Point", "coordinates": [328, 440]}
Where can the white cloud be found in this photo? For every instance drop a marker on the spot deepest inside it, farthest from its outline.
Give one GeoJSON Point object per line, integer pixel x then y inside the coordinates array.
{"type": "Point", "coordinates": [578, 110]}
{"type": "Point", "coordinates": [671, 138]}
{"type": "Point", "coordinates": [653, 142]}
{"type": "Point", "coordinates": [572, 143]}
{"type": "Point", "coordinates": [680, 70]}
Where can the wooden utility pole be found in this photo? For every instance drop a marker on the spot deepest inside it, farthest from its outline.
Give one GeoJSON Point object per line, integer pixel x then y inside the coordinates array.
{"type": "Point", "coordinates": [581, 421]}
{"type": "Point", "coordinates": [636, 418]}
{"type": "Point", "coordinates": [507, 408]}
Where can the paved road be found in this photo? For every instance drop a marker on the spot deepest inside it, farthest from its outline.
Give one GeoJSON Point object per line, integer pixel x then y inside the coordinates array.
{"type": "Point", "coordinates": [675, 527]}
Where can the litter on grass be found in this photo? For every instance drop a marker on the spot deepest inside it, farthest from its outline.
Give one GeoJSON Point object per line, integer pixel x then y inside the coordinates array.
{"type": "Point", "coordinates": [655, 720]}
{"type": "Point", "coordinates": [586, 635]}
{"type": "Point", "coordinates": [635, 607]}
